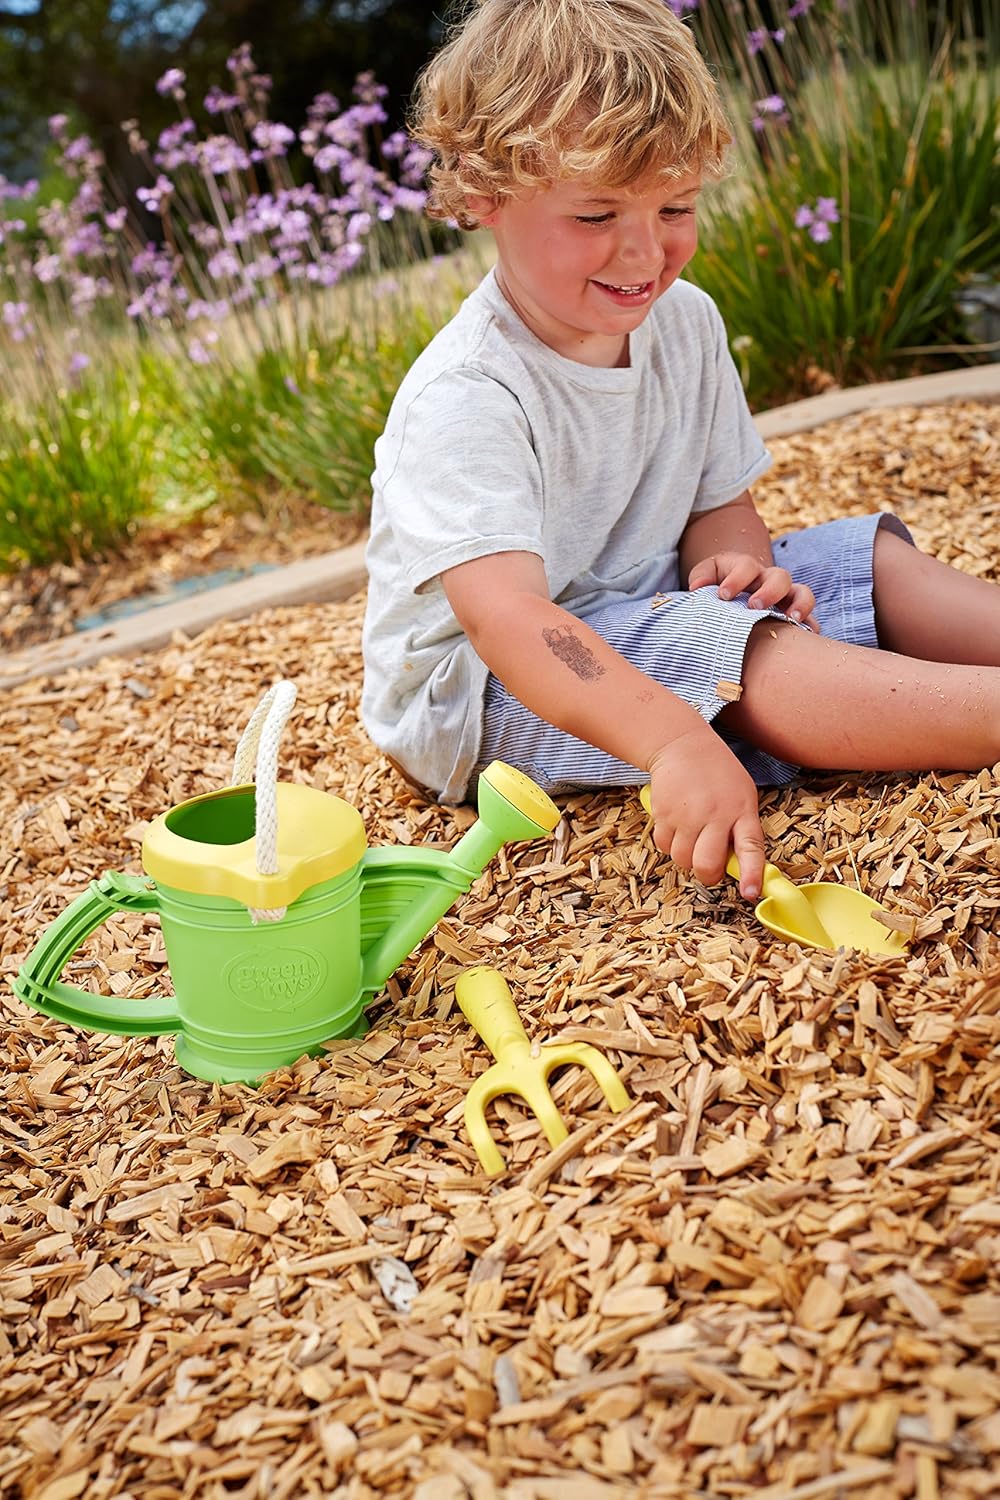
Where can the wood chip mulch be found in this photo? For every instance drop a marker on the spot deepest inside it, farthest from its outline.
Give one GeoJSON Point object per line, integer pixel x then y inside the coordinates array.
{"type": "Point", "coordinates": [776, 1275]}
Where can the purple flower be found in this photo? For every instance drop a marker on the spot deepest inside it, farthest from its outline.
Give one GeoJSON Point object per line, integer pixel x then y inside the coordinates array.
{"type": "Point", "coordinates": [206, 236]}
{"type": "Point", "coordinates": [47, 268]}
{"type": "Point", "coordinates": [116, 219]}
{"type": "Point", "coordinates": [154, 262]}
{"type": "Point", "coordinates": [79, 149]}
{"type": "Point", "coordinates": [756, 40]}
{"type": "Point", "coordinates": [240, 63]}
{"type": "Point", "coordinates": [329, 158]}
{"type": "Point", "coordinates": [86, 241]}
{"type": "Point", "coordinates": [172, 148]}
{"type": "Point", "coordinates": [197, 353]}
{"type": "Point", "coordinates": [217, 102]}
{"type": "Point", "coordinates": [799, 9]}
{"type": "Point", "coordinates": [154, 199]}
{"type": "Point", "coordinates": [818, 218]}
{"type": "Point", "coordinates": [57, 125]}
{"type": "Point", "coordinates": [295, 228]}
{"type": "Point", "coordinates": [323, 106]}
{"type": "Point", "coordinates": [78, 361]}
{"type": "Point", "coordinates": [272, 137]}
{"type": "Point", "coordinates": [358, 225]}
{"type": "Point", "coordinates": [220, 154]}
{"type": "Point", "coordinates": [172, 82]}
{"type": "Point", "coordinates": [366, 90]}
{"type": "Point", "coordinates": [87, 290]}
{"type": "Point", "coordinates": [411, 200]}
{"type": "Point", "coordinates": [15, 315]}
{"type": "Point", "coordinates": [12, 191]}
{"type": "Point", "coordinates": [415, 164]}
{"type": "Point", "coordinates": [770, 111]}
{"type": "Point", "coordinates": [225, 263]}
{"type": "Point", "coordinates": [199, 308]}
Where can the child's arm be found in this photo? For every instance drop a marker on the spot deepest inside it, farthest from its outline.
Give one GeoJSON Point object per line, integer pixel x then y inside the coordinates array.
{"type": "Point", "coordinates": [731, 546]}
{"type": "Point", "coordinates": [704, 802]}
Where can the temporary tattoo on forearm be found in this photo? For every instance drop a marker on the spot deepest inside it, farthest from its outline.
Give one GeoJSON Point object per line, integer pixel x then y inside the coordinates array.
{"type": "Point", "coordinates": [578, 657]}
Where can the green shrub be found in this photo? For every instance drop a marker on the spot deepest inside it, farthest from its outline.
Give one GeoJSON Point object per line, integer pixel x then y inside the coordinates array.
{"type": "Point", "coordinates": [890, 126]}
{"type": "Point", "coordinates": [76, 471]}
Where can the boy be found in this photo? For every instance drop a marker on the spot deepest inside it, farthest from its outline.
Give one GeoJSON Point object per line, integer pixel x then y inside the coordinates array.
{"type": "Point", "coordinates": [567, 569]}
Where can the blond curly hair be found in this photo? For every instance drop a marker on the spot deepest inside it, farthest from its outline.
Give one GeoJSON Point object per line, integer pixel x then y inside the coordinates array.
{"type": "Point", "coordinates": [529, 91]}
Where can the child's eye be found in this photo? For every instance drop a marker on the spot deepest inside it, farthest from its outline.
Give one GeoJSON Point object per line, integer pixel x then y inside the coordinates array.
{"type": "Point", "coordinates": [593, 218]}
{"type": "Point", "coordinates": [677, 213]}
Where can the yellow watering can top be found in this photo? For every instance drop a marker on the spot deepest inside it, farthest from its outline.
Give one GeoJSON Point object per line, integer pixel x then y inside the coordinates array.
{"type": "Point", "coordinates": [208, 846]}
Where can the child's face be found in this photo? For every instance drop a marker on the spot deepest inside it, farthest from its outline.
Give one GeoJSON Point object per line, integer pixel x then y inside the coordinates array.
{"type": "Point", "coordinates": [582, 264]}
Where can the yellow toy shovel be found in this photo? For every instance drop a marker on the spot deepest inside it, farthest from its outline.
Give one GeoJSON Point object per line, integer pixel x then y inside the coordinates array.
{"type": "Point", "coordinates": [486, 1002]}
{"type": "Point", "coordinates": [818, 915]}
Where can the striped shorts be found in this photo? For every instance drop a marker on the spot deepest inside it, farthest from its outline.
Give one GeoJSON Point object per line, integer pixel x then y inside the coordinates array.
{"type": "Point", "coordinates": [693, 644]}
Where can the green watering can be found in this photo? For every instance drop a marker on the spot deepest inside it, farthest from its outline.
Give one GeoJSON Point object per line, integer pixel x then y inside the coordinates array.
{"type": "Point", "coordinates": [279, 922]}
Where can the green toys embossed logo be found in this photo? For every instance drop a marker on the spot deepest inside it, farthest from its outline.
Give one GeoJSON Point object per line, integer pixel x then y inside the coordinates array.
{"type": "Point", "coordinates": [280, 979]}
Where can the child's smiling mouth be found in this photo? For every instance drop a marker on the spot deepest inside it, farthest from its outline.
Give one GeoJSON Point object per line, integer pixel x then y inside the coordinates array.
{"type": "Point", "coordinates": [626, 295]}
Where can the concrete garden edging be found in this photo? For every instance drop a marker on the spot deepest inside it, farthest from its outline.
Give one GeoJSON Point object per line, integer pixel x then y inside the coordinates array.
{"type": "Point", "coordinates": [339, 574]}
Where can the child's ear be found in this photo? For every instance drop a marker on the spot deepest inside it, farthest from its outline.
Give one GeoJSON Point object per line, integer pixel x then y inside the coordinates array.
{"type": "Point", "coordinates": [482, 208]}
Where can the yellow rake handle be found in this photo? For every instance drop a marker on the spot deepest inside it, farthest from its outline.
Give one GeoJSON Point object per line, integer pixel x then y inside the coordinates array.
{"type": "Point", "coordinates": [485, 1000]}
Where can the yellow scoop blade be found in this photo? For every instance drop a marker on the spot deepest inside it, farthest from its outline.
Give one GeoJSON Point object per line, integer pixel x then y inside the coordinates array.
{"type": "Point", "coordinates": [819, 915]}
{"type": "Point", "coordinates": [786, 909]}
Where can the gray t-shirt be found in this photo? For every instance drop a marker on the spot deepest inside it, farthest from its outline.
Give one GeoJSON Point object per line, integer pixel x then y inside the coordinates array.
{"type": "Point", "coordinates": [496, 443]}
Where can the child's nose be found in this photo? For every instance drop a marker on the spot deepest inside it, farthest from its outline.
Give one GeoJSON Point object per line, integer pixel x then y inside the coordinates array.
{"type": "Point", "coordinates": [641, 245]}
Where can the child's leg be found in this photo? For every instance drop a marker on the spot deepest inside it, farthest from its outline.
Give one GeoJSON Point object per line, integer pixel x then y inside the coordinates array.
{"type": "Point", "coordinates": [924, 608]}
{"type": "Point", "coordinates": [821, 703]}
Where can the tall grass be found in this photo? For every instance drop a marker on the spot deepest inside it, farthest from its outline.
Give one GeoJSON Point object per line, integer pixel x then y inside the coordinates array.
{"type": "Point", "coordinates": [75, 473]}
{"type": "Point", "coordinates": [866, 193]}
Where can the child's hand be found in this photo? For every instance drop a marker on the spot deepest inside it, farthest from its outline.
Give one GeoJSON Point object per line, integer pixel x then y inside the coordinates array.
{"type": "Point", "coordinates": [704, 805]}
{"type": "Point", "coordinates": [772, 587]}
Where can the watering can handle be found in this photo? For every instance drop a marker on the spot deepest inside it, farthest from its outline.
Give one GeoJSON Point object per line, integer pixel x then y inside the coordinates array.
{"type": "Point", "coordinates": [256, 761]}
{"type": "Point", "coordinates": [38, 985]}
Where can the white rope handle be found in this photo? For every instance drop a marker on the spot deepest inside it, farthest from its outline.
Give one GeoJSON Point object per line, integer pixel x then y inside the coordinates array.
{"type": "Point", "coordinates": [256, 760]}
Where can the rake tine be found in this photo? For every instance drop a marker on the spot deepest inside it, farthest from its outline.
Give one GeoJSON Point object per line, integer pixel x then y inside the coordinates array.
{"type": "Point", "coordinates": [480, 1135]}
{"type": "Point", "coordinates": [535, 1093]}
{"type": "Point", "coordinates": [560, 1054]}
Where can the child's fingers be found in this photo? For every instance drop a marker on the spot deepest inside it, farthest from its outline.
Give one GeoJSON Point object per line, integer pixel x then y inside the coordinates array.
{"type": "Point", "coordinates": [742, 574]}
{"type": "Point", "coordinates": [800, 606]}
{"type": "Point", "coordinates": [703, 573]}
{"type": "Point", "coordinates": [748, 846]}
{"type": "Point", "coordinates": [732, 572]}
{"type": "Point", "coordinates": [775, 590]}
{"type": "Point", "coordinates": [709, 855]}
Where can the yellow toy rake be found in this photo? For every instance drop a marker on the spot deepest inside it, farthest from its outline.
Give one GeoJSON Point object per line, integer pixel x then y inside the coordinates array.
{"type": "Point", "coordinates": [486, 1002]}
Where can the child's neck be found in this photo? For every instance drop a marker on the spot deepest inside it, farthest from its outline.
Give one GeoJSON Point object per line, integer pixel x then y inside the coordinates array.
{"type": "Point", "coordinates": [597, 352]}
